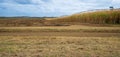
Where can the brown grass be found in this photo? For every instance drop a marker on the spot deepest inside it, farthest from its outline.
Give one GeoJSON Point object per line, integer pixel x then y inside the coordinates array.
{"type": "Point", "coordinates": [98, 17]}
{"type": "Point", "coordinates": [60, 41]}
{"type": "Point", "coordinates": [21, 22]}
{"type": "Point", "coordinates": [73, 28]}
{"type": "Point", "coordinates": [37, 46]}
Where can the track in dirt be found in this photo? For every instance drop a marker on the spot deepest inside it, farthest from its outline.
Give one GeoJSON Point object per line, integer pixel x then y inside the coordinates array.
{"type": "Point", "coordinates": [72, 34]}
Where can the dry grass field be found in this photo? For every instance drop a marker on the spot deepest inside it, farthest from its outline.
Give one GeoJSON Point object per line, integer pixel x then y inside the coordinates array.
{"type": "Point", "coordinates": [52, 46]}
{"type": "Point", "coordinates": [60, 41]}
{"type": "Point", "coordinates": [95, 17]}
{"type": "Point", "coordinates": [92, 34]}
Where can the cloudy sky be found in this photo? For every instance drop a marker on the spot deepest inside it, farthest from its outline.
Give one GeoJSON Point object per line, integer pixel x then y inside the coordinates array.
{"type": "Point", "coordinates": [41, 8]}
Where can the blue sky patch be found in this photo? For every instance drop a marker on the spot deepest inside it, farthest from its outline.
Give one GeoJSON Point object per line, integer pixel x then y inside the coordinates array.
{"type": "Point", "coordinates": [52, 7]}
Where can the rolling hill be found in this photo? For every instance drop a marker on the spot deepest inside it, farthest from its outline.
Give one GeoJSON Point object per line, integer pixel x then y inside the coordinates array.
{"type": "Point", "coordinates": [89, 17]}
{"type": "Point", "coordinates": [94, 17]}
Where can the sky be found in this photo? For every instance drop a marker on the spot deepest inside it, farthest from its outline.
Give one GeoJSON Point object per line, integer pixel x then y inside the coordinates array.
{"type": "Point", "coordinates": [52, 8]}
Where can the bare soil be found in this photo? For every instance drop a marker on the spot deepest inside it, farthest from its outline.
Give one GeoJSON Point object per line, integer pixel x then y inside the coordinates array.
{"type": "Point", "coordinates": [72, 34]}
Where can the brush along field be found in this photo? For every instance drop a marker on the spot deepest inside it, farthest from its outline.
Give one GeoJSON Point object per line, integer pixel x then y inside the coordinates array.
{"type": "Point", "coordinates": [60, 41]}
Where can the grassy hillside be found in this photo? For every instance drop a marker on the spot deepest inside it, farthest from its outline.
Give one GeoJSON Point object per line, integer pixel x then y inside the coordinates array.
{"type": "Point", "coordinates": [96, 17]}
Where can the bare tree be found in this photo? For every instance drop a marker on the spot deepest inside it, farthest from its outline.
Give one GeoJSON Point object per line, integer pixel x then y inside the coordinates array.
{"type": "Point", "coordinates": [111, 8]}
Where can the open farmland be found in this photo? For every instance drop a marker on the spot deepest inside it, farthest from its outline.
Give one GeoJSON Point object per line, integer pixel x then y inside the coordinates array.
{"type": "Point", "coordinates": [60, 41]}
{"type": "Point", "coordinates": [59, 28]}
{"type": "Point", "coordinates": [92, 34]}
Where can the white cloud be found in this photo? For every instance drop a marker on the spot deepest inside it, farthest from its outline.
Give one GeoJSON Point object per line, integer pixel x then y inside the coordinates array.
{"type": "Point", "coordinates": [66, 6]}
{"type": "Point", "coordinates": [57, 6]}
{"type": "Point", "coordinates": [116, 1]}
{"type": "Point", "coordinates": [37, 1]}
